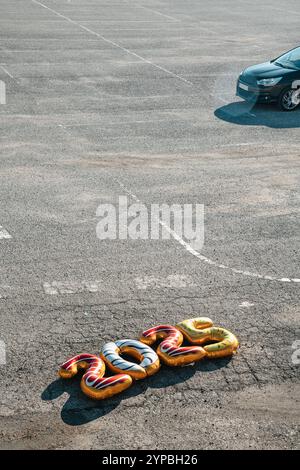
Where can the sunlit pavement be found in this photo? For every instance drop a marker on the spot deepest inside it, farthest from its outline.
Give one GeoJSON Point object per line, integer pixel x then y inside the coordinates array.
{"type": "Point", "coordinates": [105, 95]}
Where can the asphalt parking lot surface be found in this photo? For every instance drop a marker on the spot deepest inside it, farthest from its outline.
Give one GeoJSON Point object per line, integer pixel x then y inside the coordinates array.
{"type": "Point", "coordinates": [111, 98]}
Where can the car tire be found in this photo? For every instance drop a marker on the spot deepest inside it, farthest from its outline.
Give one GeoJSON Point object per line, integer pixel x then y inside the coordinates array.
{"type": "Point", "coordinates": [285, 102]}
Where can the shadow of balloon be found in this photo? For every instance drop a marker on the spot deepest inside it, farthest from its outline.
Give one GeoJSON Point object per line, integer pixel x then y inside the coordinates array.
{"type": "Point", "coordinates": [79, 409]}
{"type": "Point", "coordinates": [245, 114]}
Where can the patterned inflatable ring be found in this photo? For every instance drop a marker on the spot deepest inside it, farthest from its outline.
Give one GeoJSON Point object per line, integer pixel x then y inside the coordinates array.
{"type": "Point", "coordinates": [149, 361]}
{"type": "Point", "coordinates": [169, 350]}
{"type": "Point", "coordinates": [224, 344]}
{"type": "Point", "coordinates": [93, 384]}
{"type": "Point", "coordinates": [192, 329]}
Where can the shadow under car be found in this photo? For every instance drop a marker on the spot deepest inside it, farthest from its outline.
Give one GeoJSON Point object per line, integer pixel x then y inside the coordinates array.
{"type": "Point", "coordinates": [241, 113]}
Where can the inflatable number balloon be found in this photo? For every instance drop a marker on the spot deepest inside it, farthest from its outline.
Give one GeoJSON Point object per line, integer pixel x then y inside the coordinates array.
{"type": "Point", "coordinates": [196, 331]}
{"type": "Point", "coordinates": [93, 384]}
{"type": "Point", "coordinates": [200, 330]}
{"type": "Point", "coordinates": [149, 360]}
{"type": "Point", "coordinates": [193, 329]}
{"type": "Point", "coordinates": [169, 350]}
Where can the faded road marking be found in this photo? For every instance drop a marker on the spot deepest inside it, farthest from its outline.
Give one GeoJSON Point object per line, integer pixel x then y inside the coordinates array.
{"type": "Point", "coordinates": [246, 304]}
{"type": "Point", "coordinates": [175, 281]}
{"type": "Point", "coordinates": [157, 12]}
{"type": "Point", "coordinates": [71, 287]}
{"type": "Point", "coordinates": [2, 353]}
{"type": "Point", "coordinates": [6, 71]}
{"type": "Point", "coordinates": [112, 43]}
{"type": "Point", "coordinates": [5, 291]}
{"type": "Point", "coordinates": [4, 233]}
{"type": "Point", "coordinates": [203, 258]}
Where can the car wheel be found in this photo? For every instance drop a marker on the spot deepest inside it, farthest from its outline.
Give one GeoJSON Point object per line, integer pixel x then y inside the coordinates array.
{"type": "Point", "coordinates": [288, 101]}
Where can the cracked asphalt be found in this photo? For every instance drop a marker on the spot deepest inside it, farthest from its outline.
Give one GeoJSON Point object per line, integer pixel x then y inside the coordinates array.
{"type": "Point", "coordinates": [101, 95]}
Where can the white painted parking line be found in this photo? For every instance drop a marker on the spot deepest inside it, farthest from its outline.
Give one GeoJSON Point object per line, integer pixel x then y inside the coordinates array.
{"type": "Point", "coordinates": [71, 287]}
{"type": "Point", "coordinates": [6, 71]}
{"type": "Point", "coordinates": [157, 12]}
{"type": "Point", "coordinates": [246, 304]}
{"type": "Point", "coordinates": [175, 281]}
{"type": "Point", "coordinates": [113, 43]}
{"type": "Point", "coordinates": [123, 123]}
{"type": "Point", "coordinates": [2, 353]}
{"type": "Point", "coordinates": [203, 258]}
{"type": "Point", "coordinates": [4, 235]}
{"type": "Point", "coordinates": [94, 21]}
{"type": "Point", "coordinates": [6, 291]}
{"type": "Point", "coordinates": [244, 144]}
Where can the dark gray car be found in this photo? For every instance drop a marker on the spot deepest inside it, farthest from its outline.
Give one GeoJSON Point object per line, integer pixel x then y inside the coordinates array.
{"type": "Point", "coordinates": [277, 81]}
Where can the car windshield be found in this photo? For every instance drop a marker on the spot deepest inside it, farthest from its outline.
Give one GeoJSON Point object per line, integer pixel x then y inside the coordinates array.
{"type": "Point", "coordinates": [290, 59]}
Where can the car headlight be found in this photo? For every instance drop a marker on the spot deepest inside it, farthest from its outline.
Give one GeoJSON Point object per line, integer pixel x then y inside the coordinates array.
{"type": "Point", "coordinates": [269, 81]}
